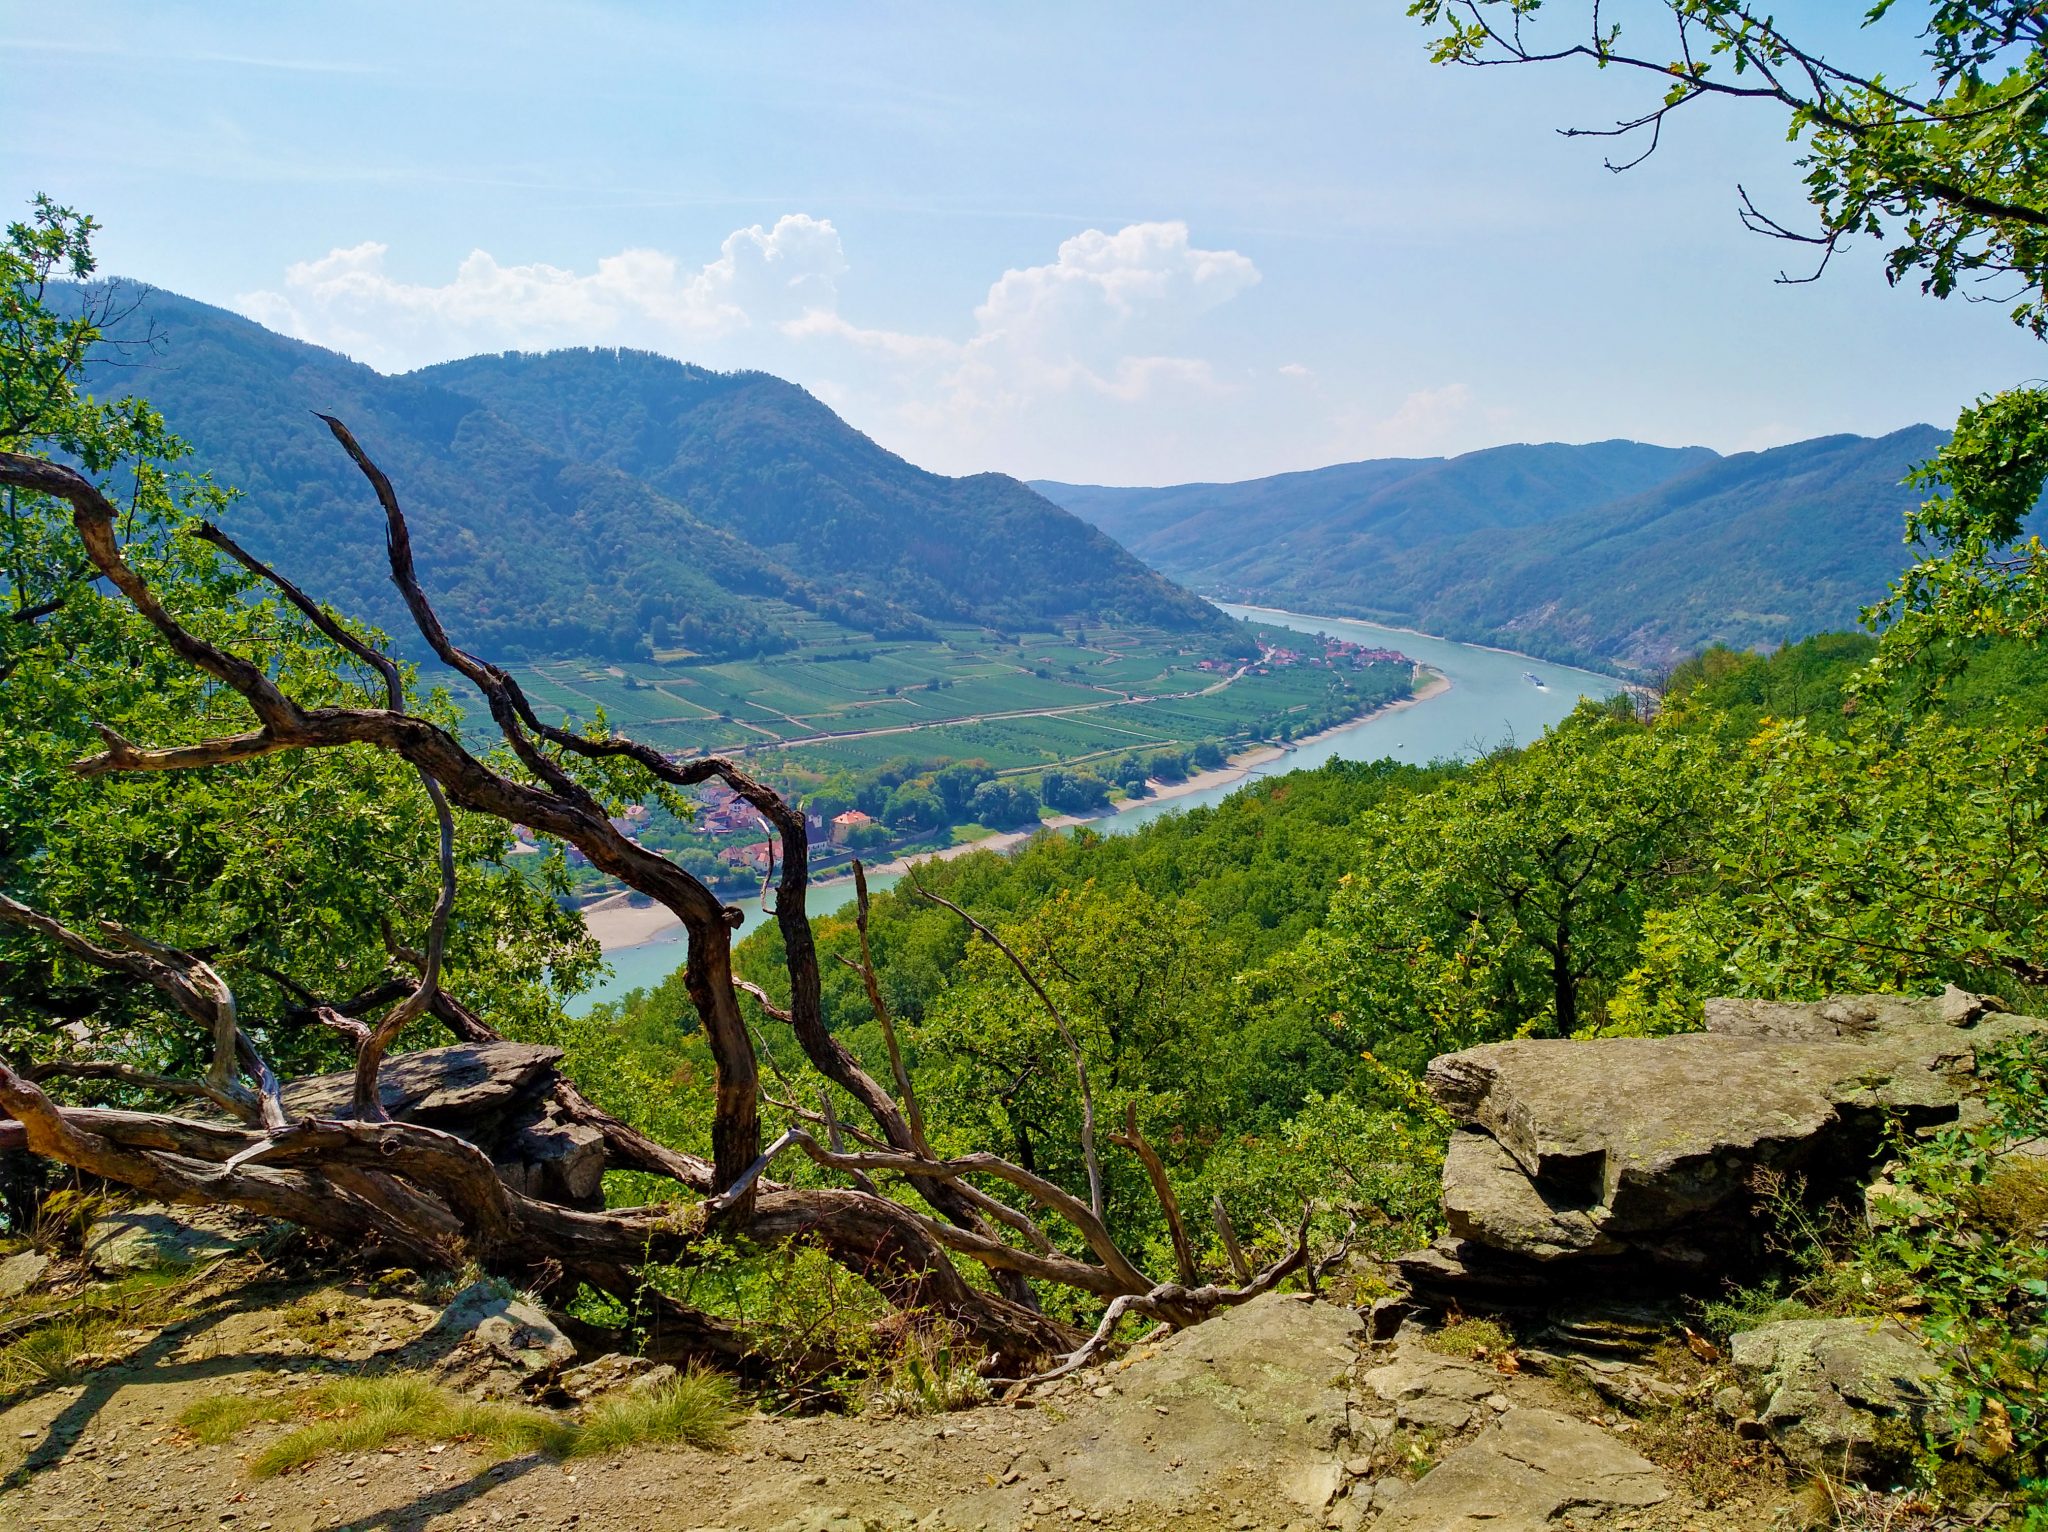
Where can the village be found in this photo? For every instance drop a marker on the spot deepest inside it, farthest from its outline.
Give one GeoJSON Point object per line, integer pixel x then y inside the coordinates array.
{"type": "Point", "coordinates": [1337, 654]}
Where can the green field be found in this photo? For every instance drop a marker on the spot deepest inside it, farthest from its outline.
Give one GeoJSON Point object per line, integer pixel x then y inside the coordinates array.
{"type": "Point", "coordinates": [1018, 701]}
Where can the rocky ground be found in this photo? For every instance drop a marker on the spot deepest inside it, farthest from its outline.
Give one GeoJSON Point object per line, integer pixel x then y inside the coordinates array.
{"type": "Point", "coordinates": [1578, 1172]}
{"type": "Point", "coordinates": [1283, 1414]}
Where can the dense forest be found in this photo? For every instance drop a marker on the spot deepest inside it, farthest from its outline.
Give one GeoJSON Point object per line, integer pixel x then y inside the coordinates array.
{"type": "Point", "coordinates": [1613, 555]}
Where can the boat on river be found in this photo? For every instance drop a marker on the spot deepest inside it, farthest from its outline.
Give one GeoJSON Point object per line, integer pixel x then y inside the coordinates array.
{"type": "Point", "coordinates": [1535, 680]}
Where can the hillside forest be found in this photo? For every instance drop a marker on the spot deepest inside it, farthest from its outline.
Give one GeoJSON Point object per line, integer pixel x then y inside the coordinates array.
{"type": "Point", "coordinates": [967, 1128]}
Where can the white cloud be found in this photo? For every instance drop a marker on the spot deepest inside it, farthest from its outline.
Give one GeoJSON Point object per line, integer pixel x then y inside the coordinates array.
{"type": "Point", "coordinates": [1426, 423]}
{"type": "Point", "coordinates": [1101, 339]}
{"type": "Point", "coordinates": [1295, 370]}
{"type": "Point", "coordinates": [349, 299]}
{"type": "Point", "coordinates": [1143, 278]}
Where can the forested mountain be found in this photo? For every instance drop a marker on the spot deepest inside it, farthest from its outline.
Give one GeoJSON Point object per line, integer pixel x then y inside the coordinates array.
{"type": "Point", "coordinates": [762, 458]}
{"type": "Point", "coordinates": [538, 535]}
{"type": "Point", "coordinates": [1613, 553]}
{"type": "Point", "coordinates": [1261, 527]}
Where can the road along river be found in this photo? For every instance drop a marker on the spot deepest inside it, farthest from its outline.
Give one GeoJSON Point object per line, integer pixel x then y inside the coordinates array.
{"type": "Point", "coordinates": [1491, 700]}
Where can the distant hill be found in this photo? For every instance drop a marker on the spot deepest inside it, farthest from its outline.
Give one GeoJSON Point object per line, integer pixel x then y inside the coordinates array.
{"type": "Point", "coordinates": [1616, 554]}
{"type": "Point", "coordinates": [538, 534]}
{"type": "Point", "coordinates": [764, 460]}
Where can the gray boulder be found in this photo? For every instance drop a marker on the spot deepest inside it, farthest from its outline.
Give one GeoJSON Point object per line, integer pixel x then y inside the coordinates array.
{"type": "Point", "coordinates": [1535, 1471]}
{"type": "Point", "coordinates": [1836, 1393]}
{"type": "Point", "coordinates": [19, 1273]}
{"type": "Point", "coordinates": [499, 1096]}
{"type": "Point", "coordinates": [493, 1343]}
{"type": "Point", "coordinates": [440, 1087]}
{"type": "Point", "coordinates": [611, 1373]}
{"type": "Point", "coordinates": [1645, 1149]}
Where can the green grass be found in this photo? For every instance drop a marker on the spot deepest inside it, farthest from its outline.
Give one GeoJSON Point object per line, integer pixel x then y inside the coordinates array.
{"type": "Point", "coordinates": [50, 1353]}
{"type": "Point", "coordinates": [696, 1410]}
{"type": "Point", "coordinates": [365, 1414]}
{"type": "Point", "coordinates": [83, 1324]}
{"type": "Point", "coordinates": [1472, 1339]}
{"type": "Point", "coordinates": [223, 1417]}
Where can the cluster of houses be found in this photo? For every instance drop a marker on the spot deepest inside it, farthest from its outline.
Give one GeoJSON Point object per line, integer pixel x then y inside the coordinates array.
{"type": "Point", "coordinates": [1337, 654]}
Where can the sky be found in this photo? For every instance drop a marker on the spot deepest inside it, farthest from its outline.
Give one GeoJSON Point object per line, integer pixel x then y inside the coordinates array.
{"type": "Point", "coordinates": [1124, 243]}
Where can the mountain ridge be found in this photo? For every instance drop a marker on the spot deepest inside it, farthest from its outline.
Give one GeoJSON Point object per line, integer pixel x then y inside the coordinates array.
{"type": "Point", "coordinates": [1615, 554]}
{"type": "Point", "coordinates": [535, 550]}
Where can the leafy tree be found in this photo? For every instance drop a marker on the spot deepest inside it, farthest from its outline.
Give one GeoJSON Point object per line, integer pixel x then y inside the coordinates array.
{"type": "Point", "coordinates": [1947, 175]}
{"type": "Point", "coordinates": [915, 808]}
{"type": "Point", "coordinates": [1074, 792]}
{"type": "Point", "coordinates": [1510, 899]}
{"type": "Point", "coordinates": [1167, 766]}
{"type": "Point", "coordinates": [955, 785]}
{"type": "Point", "coordinates": [280, 872]}
{"type": "Point", "coordinates": [1003, 806]}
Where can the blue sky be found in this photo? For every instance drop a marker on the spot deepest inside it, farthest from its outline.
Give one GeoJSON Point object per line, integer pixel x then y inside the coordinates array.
{"type": "Point", "coordinates": [1125, 243]}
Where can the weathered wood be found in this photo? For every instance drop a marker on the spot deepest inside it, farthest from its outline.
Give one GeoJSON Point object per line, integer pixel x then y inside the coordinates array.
{"type": "Point", "coordinates": [489, 1146]}
{"type": "Point", "coordinates": [437, 1086]}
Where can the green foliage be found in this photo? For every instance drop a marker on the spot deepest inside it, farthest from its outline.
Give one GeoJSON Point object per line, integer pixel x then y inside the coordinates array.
{"type": "Point", "coordinates": [1889, 858]}
{"type": "Point", "coordinates": [1970, 1228]}
{"type": "Point", "coordinates": [1946, 171]}
{"type": "Point", "coordinates": [1510, 900]}
{"type": "Point", "coordinates": [1981, 577]}
{"type": "Point", "coordinates": [281, 870]}
{"type": "Point", "coordinates": [1375, 1167]}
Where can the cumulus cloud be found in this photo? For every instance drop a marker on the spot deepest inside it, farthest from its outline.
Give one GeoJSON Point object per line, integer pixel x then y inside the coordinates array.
{"type": "Point", "coordinates": [350, 299]}
{"type": "Point", "coordinates": [1107, 328]}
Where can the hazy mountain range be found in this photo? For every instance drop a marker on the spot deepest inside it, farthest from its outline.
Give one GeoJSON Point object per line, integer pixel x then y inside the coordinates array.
{"type": "Point", "coordinates": [604, 503]}
{"type": "Point", "coordinates": [1614, 553]}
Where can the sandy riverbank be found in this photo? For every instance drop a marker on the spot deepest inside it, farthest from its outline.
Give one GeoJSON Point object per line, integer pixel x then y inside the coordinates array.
{"type": "Point", "coordinates": [616, 922]}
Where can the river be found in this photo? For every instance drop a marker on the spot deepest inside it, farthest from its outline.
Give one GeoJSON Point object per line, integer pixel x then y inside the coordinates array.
{"type": "Point", "coordinates": [1490, 702]}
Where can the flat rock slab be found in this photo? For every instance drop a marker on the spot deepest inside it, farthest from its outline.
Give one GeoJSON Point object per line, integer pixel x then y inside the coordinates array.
{"type": "Point", "coordinates": [1579, 1150]}
{"type": "Point", "coordinates": [1247, 1409]}
{"type": "Point", "coordinates": [154, 1236]}
{"type": "Point", "coordinates": [1534, 1472]}
{"type": "Point", "coordinates": [467, 1081]}
{"type": "Point", "coordinates": [1431, 1392]}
